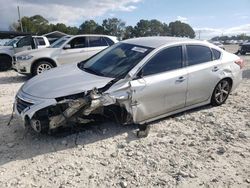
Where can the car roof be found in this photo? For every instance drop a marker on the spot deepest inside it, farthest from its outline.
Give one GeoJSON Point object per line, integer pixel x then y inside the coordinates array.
{"type": "Point", "coordinates": [91, 35]}
{"type": "Point", "coordinates": [156, 42]}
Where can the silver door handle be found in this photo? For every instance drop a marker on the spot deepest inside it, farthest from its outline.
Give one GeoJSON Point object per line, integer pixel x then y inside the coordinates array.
{"type": "Point", "coordinates": [180, 79]}
{"type": "Point", "coordinates": [215, 69]}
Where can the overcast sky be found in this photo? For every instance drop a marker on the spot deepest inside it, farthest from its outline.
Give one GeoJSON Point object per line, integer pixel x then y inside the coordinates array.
{"type": "Point", "coordinates": [211, 17]}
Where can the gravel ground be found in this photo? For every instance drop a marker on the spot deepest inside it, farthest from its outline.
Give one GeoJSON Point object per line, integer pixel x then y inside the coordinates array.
{"type": "Point", "coordinates": [205, 147]}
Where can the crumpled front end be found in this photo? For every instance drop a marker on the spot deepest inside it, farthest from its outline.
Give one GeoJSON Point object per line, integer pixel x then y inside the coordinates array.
{"type": "Point", "coordinates": [47, 114]}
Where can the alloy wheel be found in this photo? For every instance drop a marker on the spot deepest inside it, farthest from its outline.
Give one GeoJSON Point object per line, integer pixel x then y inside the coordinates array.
{"type": "Point", "coordinates": [43, 67]}
{"type": "Point", "coordinates": [222, 91]}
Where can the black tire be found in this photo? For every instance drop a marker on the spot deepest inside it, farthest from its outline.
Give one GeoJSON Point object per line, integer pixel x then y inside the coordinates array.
{"type": "Point", "coordinates": [5, 62]}
{"type": "Point", "coordinates": [221, 92]}
{"type": "Point", "coordinates": [243, 53]}
{"type": "Point", "coordinates": [37, 69]}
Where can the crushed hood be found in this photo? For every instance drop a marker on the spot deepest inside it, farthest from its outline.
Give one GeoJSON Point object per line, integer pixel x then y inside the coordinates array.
{"type": "Point", "coordinates": [63, 81]}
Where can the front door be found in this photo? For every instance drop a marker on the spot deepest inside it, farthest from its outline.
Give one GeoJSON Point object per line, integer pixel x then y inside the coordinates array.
{"type": "Point", "coordinates": [75, 51]}
{"type": "Point", "coordinates": [23, 44]}
{"type": "Point", "coordinates": [161, 85]}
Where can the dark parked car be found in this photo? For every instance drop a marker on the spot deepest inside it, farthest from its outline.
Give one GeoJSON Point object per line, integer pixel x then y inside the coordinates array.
{"type": "Point", "coordinates": [244, 48]}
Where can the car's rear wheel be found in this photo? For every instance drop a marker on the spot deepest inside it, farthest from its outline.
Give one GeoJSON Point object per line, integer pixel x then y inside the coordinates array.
{"type": "Point", "coordinates": [41, 67]}
{"type": "Point", "coordinates": [243, 53]}
{"type": "Point", "coordinates": [221, 92]}
{"type": "Point", "coordinates": [5, 63]}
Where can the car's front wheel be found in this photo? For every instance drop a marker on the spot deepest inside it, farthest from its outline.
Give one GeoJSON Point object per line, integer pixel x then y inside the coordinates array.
{"type": "Point", "coordinates": [41, 67]}
{"type": "Point", "coordinates": [221, 92]}
{"type": "Point", "coordinates": [5, 62]}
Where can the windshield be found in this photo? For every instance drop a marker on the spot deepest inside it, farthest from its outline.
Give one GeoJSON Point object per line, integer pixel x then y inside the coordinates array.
{"type": "Point", "coordinates": [116, 61]}
{"type": "Point", "coordinates": [59, 42]}
{"type": "Point", "coordinates": [11, 42]}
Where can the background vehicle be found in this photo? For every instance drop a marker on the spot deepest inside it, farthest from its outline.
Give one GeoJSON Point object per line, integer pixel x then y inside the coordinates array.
{"type": "Point", "coordinates": [19, 44]}
{"type": "Point", "coordinates": [219, 44]}
{"type": "Point", "coordinates": [135, 81]}
{"type": "Point", "coordinates": [244, 48]}
{"type": "Point", "coordinates": [68, 49]}
{"type": "Point", "coordinates": [13, 41]}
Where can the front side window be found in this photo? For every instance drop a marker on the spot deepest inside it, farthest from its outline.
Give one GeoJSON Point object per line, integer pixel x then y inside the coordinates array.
{"type": "Point", "coordinates": [12, 42]}
{"type": "Point", "coordinates": [166, 60]}
{"type": "Point", "coordinates": [197, 54]}
{"type": "Point", "coordinates": [25, 41]}
{"type": "Point", "coordinates": [78, 42]}
{"type": "Point", "coordinates": [116, 61]}
{"type": "Point", "coordinates": [97, 41]}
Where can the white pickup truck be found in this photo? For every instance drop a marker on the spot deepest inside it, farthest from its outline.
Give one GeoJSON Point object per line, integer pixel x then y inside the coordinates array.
{"type": "Point", "coordinates": [19, 44]}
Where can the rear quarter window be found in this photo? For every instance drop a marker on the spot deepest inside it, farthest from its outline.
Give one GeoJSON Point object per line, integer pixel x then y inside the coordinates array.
{"type": "Point", "coordinates": [40, 41]}
{"type": "Point", "coordinates": [109, 41]}
{"type": "Point", "coordinates": [216, 53]}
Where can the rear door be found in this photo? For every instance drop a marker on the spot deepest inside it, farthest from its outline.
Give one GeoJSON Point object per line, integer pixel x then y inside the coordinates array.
{"type": "Point", "coordinates": [162, 86]}
{"type": "Point", "coordinates": [203, 73]}
{"type": "Point", "coordinates": [96, 44]}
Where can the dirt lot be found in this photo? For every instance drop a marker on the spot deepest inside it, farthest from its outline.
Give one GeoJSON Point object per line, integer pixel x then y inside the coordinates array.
{"type": "Point", "coordinates": [205, 147]}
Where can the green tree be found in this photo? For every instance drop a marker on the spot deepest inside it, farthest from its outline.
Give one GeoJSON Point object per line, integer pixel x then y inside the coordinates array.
{"type": "Point", "coordinates": [114, 26]}
{"type": "Point", "coordinates": [179, 29]}
{"type": "Point", "coordinates": [142, 28]}
{"type": "Point", "coordinates": [35, 24]}
{"type": "Point", "coordinates": [88, 27]}
{"type": "Point", "coordinates": [72, 30]}
{"type": "Point", "coordinates": [129, 32]}
{"type": "Point", "coordinates": [151, 28]}
{"type": "Point", "coordinates": [60, 27]}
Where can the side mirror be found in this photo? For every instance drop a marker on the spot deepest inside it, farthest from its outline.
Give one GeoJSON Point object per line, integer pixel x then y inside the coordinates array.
{"type": "Point", "coordinates": [14, 45]}
{"type": "Point", "coordinates": [67, 46]}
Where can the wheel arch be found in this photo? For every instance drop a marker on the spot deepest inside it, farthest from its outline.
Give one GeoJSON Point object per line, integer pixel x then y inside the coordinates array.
{"type": "Point", "coordinates": [225, 78]}
{"type": "Point", "coordinates": [42, 59]}
{"type": "Point", "coordinates": [7, 55]}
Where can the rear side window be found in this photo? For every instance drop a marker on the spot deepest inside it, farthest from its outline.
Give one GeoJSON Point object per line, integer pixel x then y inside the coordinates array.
{"type": "Point", "coordinates": [40, 41]}
{"type": "Point", "coordinates": [166, 60]}
{"type": "Point", "coordinates": [109, 41]}
{"type": "Point", "coordinates": [197, 54]}
{"type": "Point", "coordinates": [216, 54]}
{"type": "Point", "coordinates": [97, 41]}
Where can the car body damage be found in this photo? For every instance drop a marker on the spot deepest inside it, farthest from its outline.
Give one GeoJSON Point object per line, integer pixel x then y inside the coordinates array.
{"type": "Point", "coordinates": [79, 108]}
{"type": "Point", "coordinates": [91, 103]}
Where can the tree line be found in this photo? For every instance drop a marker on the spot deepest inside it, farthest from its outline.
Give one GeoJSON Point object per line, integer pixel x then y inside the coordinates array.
{"type": "Point", "coordinates": [237, 37]}
{"type": "Point", "coordinates": [111, 26]}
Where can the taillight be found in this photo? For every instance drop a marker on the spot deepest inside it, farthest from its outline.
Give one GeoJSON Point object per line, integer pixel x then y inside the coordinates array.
{"type": "Point", "coordinates": [240, 62]}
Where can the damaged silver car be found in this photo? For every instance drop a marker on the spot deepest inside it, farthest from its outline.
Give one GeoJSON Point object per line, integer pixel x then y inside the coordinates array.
{"type": "Point", "coordinates": [134, 81]}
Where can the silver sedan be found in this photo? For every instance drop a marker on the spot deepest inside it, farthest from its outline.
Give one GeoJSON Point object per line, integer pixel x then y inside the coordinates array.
{"type": "Point", "coordinates": [134, 81]}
